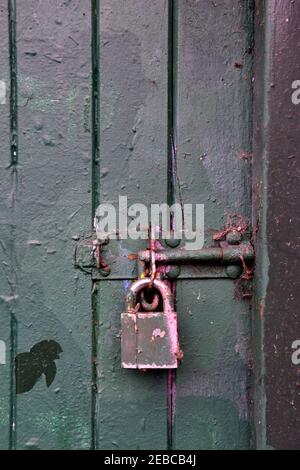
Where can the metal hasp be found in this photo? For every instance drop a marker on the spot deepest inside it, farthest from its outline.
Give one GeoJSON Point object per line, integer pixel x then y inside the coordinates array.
{"type": "Point", "coordinates": [224, 260]}
{"type": "Point", "coordinates": [106, 260]}
{"type": "Point", "coordinates": [149, 340]}
{"type": "Point", "coordinates": [227, 254]}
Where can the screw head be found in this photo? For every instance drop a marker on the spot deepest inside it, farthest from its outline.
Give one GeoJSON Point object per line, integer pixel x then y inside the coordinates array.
{"type": "Point", "coordinates": [234, 271]}
{"type": "Point", "coordinates": [172, 242]}
{"type": "Point", "coordinates": [172, 272]}
{"type": "Point", "coordinates": [233, 237]}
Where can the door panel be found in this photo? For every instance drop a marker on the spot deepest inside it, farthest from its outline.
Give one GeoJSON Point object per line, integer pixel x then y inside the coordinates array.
{"type": "Point", "coordinates": [54, 209]}
{"type": "Point", "coordinates": [213, 168]}
{"type": "Point", "coordinates": [212, 383]}
{"type": "Point", "coordinates": [131, 407]}
{"type": "Point", "coordinates": [149, 100]}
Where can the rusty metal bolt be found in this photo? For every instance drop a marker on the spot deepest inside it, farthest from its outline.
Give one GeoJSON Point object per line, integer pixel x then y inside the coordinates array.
{"type": "Point", "coordinates": [234, 237]}
{"type": "Point", "coordinates": [172, 272]}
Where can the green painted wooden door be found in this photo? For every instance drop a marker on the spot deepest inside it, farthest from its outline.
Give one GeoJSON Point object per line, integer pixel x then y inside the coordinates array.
{"type": "Point", "coordinates": [150, 100]}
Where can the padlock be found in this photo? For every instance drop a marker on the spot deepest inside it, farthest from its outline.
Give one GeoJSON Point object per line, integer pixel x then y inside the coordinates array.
{"type": "Point", "coordinates": [149, 340]}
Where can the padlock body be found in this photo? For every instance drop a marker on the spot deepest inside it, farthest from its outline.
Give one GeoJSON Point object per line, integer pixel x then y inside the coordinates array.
{"type": "Point", "coordinates": [149, 340]}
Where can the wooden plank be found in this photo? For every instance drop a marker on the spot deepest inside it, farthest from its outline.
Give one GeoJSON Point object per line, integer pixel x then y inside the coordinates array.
{"type": "Point", "coordinates": [276, 178]}
{"type": "Point", "coordinates": [213, 168]}
{"type": "Point", "coordinates": [54, 312]}
{"type": "Point", "coordinates": [6, 216]}
{"type": "Point", "coordinates": [133, 159]}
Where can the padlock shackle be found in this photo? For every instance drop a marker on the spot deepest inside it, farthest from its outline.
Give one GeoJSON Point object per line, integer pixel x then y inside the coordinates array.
{"type": "Point", "coordinates": [162, 287]}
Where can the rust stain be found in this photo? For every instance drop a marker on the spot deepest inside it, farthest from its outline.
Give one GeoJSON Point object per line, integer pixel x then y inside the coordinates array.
{"type": "Point", "coordinates": [234, 222]}
{"type": "Point", "coordinates": [132, 256]}
{"type": "Point", "coordinates": [220, 235]}
{"type": "Point", "coordinates": [248, 272]}
{"type": "Point", "coordinates": [179, 354]}
{"type": "Point", "coordinates": [244, 155]}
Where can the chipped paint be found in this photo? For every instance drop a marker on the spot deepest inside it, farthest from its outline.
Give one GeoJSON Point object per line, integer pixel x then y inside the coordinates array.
{"type": "Point", "coordinates": [158, 333]}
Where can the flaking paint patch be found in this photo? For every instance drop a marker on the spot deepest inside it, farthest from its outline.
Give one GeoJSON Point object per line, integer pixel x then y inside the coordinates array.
{"type": "Point", "coordinates": [158, 333]}
{"type": "Point", "coordinates": [9, 298]}
{"type": "Point", "coordinates": [45, 199]}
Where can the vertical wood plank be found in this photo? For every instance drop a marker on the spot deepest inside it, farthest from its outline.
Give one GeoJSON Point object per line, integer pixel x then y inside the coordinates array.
{"type": "Point", "coordinates": [133, 162]}
{"type": "Point", "coordinates": [54, 209]}
{"type": "Point", "coordinates": [6, 274]}
{"type": "Point", "coordinates": [213, 163]}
